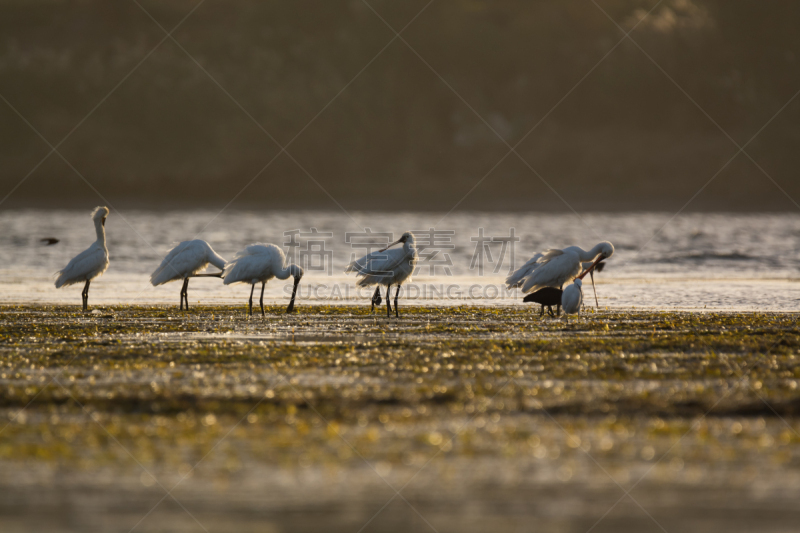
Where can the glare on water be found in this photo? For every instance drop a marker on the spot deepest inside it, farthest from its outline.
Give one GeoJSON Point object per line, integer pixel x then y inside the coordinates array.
{"type": "Point", "coordinates": [694, 261]}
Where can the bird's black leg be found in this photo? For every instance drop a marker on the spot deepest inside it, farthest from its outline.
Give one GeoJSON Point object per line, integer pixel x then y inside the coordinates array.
{"type": "Point", "coordinates": [388, 300]}
{"type": "Point", "coordinates": [261, 301]}
{"type": "Point", "coordinates": [252, 288]}
{"type": "Point", "coordinates": [550, 311]}
{"type": "Point", "coordinates": [396, 295]}
{"type": "Point", "coordinates": [85, 295]}
{"type": "Point", "coordinates": [541, 313]}
{"type": "Point", "coordinates": [185, 293]}
{"type": "Point", "coordinates": [558, 310]}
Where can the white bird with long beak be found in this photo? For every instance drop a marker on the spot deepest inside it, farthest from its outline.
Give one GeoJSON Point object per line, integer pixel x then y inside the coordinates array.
{"type": "Point", "coordinates": [186, 260]}
{"type": "Point", "coordinates": [554, 268]}
{"type": "Point", "coordinates": [261, 263]}
{"type": "Point", "coordinates": [91, 262]}
{"type": "Point", "coordinates": [387, 267]}
{"type": "Point", "coordinates": [572, 297]}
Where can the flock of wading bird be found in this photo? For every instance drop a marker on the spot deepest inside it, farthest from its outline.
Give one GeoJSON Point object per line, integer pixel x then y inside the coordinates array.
{"type": "Point", "coordinates": [542, 277]}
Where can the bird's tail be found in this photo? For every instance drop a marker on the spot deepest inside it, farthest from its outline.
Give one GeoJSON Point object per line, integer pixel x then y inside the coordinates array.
{"type": "Point", "coordinates": [161, 275]}
{"type": "Point", "coordinates": [62, 279]}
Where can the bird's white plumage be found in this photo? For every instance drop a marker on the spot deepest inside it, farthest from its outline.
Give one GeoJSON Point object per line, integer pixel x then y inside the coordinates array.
{"type": "Point", "coordinates": [91, 262]}
{"type": "Point", "coordinates": [387, 267]}
{"type": "Point", "coordinates": [572, 297]}
{"type": "Point", "coordinates": [553, 273]}
{"type": "Point", "coordinates": [259, 262]}
{"type": "Point", "coordinates": [186, 259]}
{"type": "Point", "coordinates": [515, 279]}
{"type": "Point", "coordinates": [555, 267]}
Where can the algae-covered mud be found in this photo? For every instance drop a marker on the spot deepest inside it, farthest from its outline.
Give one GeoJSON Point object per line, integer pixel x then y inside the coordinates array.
{"type": "Point", "coordinates": [447, 419]}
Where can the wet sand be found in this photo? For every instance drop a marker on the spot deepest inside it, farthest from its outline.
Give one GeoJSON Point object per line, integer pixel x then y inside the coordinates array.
{"type": "Point", "coordinates": [447, 419]}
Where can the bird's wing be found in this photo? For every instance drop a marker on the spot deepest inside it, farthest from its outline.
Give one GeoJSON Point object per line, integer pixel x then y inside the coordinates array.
{"type": "Point", "coordinates": [88, 262]}
{"type": "Point", "coordinates": [551, 254]}
{"type": "Point", "coordinates": [524, 271]}
{"type": "Point", "coordinates": [378, 263]}
{"type": "Point", "coordinates": [185, 259]}
{"type": "Point", "coordinates": [553, 272]}
{"type": "Point", "coordinates": [256, 261]}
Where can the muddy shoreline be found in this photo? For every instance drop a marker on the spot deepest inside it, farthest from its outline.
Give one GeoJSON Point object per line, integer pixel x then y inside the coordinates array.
{"type": "Point", "coordinates": [482, 418]}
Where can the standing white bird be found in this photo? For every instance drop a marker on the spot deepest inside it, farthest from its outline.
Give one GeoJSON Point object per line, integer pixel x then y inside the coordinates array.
{"type": "Point", "coordinates": [555, 267]}
{"type": "Point", "coordinates": [572, 297]}
{"type": "Point", "coordinates": [184, 261]}
{"type": "Point", "coordinates": [91, 262]}
{"type": "Point", "coordinates": [261, 262]}
{"type": "Point", "coordinates": [387, 267]}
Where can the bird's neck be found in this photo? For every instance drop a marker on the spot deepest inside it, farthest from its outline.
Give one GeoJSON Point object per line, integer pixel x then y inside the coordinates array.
{"type": "Point", "coordinates": [284, 273]}
{"type": "Point", "coordinates": [101, 232]}
{"type": "Point", "coordinates": [591, 254]}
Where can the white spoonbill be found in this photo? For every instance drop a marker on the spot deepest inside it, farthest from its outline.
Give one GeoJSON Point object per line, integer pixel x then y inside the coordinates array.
{"type": "Point", "coordinates": [184, 261]}
{"type": "Point", "coordinates": [91, 262]}
{"type": "Point", "coordinates": [572, 297]}
{"type": "Point", "coordinates": [261, 262]}
{"type": "Point", "coordinates": [555, 267]}
{"type": "Point", "coordinates": [387, 267]}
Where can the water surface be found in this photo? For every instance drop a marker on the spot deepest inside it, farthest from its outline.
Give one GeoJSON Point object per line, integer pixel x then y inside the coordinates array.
{"type": "Point", "coordinates": [691, 261]}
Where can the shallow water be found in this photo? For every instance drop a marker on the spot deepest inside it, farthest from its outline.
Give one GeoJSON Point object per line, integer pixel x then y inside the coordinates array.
{"type": "Point", "coordinates": [694, 261]}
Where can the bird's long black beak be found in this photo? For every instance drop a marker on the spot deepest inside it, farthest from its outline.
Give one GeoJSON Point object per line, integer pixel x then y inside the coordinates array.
{"type": "Point", "coordinates": [589, 270]}
{"type": "Point", "coordinates": [294, 293]}
{"type": "Point", "coordinates": [398, 241]}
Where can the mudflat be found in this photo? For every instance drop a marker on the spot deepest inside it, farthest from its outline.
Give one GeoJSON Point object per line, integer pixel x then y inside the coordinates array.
{"type": "Point", "coordinates": [446, 419]}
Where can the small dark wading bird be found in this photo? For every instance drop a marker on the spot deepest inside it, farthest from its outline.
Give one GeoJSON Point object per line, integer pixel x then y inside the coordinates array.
{"type": "Point", "coordinates": [91, 262]}
{"type": "Point", "coordinates": [186, 260]}
{"type": "Point", "coordinates": [547, 297]}
{"type": "Point", "coordinates": [550, 296]}
{"type": "Point", "coordinates": [261, 262]}
{"type": "Point", "coordinates": [387, 267]}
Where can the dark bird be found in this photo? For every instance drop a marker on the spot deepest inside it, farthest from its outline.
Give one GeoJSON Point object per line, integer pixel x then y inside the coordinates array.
{"type": "Point", "coordinates": [547, 296]}
{"type": "Point", "coordinates": [49, 241]}
{"type": "Point", "coordinates": [376, 298]}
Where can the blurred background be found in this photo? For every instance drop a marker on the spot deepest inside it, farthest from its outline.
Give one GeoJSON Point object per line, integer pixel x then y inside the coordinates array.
{"type": "Point", "coordinates": [379, 122]}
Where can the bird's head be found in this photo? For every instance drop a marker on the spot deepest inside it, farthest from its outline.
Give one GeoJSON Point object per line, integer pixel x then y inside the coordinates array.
{"type": "Point", "coordinates": [578, 282]}
{"type": "Point", "coordinates": [100, 213]}
{"type": "Point", "coordinates": [407, 237]}
{"type": "Point", "coordinates": [297, 272]}
{"type": "Point", "coordinates": [606, 250]}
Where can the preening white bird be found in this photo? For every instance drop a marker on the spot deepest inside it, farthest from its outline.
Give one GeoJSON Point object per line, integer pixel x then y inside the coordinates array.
{"type": "Point", "coordinates": [572, 297]}
{"type": "Point", "coordinates": [186, 260]}
{"type": "Point", "coordinates": [91, 262]}
{"type": "Point", "coordinates": [387, 267]}
{"type": "Point", "coordinates": [261, 262]}
{"type": "Point", "coordinates": [555, 267]}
